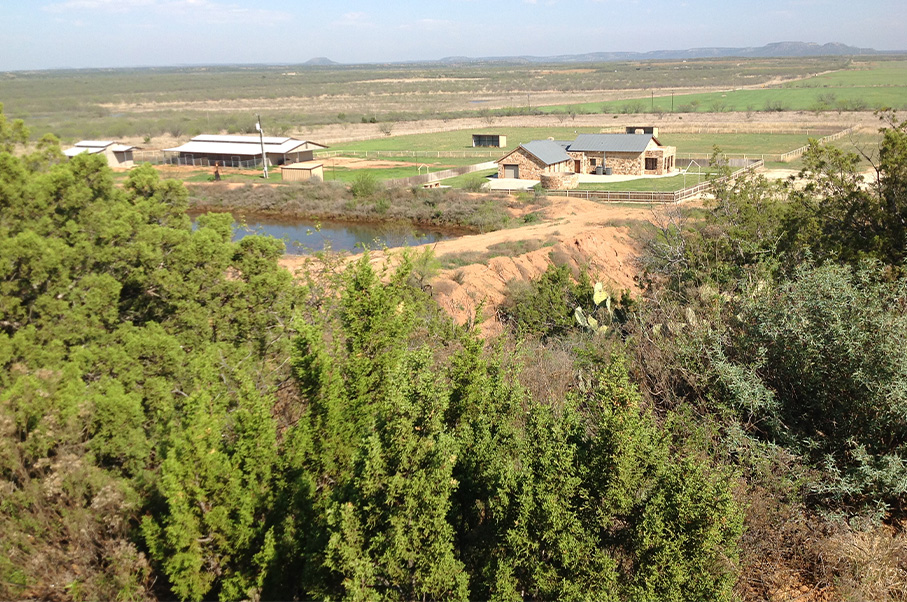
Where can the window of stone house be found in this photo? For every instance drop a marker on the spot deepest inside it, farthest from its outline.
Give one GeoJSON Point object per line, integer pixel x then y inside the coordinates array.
{"type": "Point", "coordinates": [651, 163]}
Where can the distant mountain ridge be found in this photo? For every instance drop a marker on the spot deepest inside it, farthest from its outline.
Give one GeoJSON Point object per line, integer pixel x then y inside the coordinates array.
{"type": "Point", "coordinates": [776, 49]}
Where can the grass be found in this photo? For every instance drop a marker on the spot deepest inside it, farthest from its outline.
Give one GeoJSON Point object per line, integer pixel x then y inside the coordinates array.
{"type": "Point", "coordinates": [116, 103]}
{"type": "Point", "coordinates": [864, 86]}
{"type": "Point", "coordinates": [468, 181]}
{"type": "Point", "coordinates": [461, 140]}
{"type": "Point", "coordinates": [755, 144]}
{"type": "Point", "coordinates": [669, 184]}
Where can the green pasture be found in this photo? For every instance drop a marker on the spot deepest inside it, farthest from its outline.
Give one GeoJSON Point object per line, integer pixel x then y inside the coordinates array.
{"type": "Point", "coordinates": [461, 140]}
{"type": "Point", "coordinates": [861, 75]}
{"type": "Point", "coordinates": [866, 86]}
{"type": "Point", "coordinates": [343, 174]}
{"type": "Point", "coordinates": [733, 144]}
{"type": "Point", "coordinates": [468, 180]}
{"type": "Point", "coordinates": [651, 184]}
{"type": "Point", "coordinates": [763, 99]}
{"type": "Point", "coordinates": [755, 144]}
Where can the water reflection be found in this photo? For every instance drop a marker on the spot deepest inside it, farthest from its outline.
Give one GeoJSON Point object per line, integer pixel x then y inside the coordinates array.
{"type": "Point", "coordinates": [307, 236]}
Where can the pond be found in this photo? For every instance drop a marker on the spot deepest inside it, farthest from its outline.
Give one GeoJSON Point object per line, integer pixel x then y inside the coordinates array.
{"type": "Point", "coordinates": [303, 237]}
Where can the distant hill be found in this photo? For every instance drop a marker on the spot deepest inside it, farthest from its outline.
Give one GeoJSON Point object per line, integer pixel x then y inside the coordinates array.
{"type": "Point", "coordinates": [320, 61]}
{"type": "Point", "coordinates": [776, 49]}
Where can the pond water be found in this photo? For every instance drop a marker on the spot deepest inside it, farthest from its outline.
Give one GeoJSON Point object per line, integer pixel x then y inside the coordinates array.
{"type": "Point", "coordinates": [303, 237]}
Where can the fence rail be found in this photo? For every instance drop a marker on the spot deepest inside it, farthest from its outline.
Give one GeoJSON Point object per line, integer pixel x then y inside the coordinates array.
{"type": "Point", "coordinates": [648, 197]}
{"type": "Point", "coordinates": [156, 157]}
{"type": "Point", "coordinates": [327, 154]}
{"type": "Point", "coordinates": [441, 175]}
{"type": "Point", "coordinates": [798, 152]}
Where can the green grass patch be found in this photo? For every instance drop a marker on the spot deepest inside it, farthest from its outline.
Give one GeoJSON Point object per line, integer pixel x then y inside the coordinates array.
{"type": "Point", "coordinates": [468, 181]}
{"type": "Point", "coordinates": [669, 184]}
{"type": "Point", "coordinates": [461, 140]}
{"type": "Point", "coordinates": [756, 144]}
{"type": "Point", "coordinates": [867, 86]}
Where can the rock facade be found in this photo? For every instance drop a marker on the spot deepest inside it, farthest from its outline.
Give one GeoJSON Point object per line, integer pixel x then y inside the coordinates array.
{"type": "Point", "coordinates": [529, 167]}
{"type": "Point", "coordinates": [560, 181]}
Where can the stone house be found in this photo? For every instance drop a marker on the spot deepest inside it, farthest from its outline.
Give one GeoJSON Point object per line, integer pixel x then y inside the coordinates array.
{"type": "Point", "coordinates": [622, 154]}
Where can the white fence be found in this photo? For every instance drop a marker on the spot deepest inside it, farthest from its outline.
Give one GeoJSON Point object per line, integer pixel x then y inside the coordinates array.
{"type": "Point", "coordinates": [377, 154]}
{"type": "Point", "coordinates": [441, 175]}
{"type": "Point", "coordinates": [648, 197]}
{"type": "Point", "coordinates": [798, 152]}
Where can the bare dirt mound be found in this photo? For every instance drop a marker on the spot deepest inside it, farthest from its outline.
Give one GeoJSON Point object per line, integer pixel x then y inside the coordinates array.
{"type": "Point", "coordinates": [582, 234]}
{"type": "Point", "coordinates": [585, 235]}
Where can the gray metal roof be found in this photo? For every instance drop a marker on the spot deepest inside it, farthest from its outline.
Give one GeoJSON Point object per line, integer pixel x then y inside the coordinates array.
{"type": "Point", "coordinates": [614, 143]}
{"type": "Point", "coordinates": [548, 151]}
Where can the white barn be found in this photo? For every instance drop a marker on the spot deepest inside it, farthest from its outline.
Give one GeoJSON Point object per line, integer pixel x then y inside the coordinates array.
{"type": "Point", "coordinates": [117, 155]}
{"type": "Point", "coordinates": [243, 151]}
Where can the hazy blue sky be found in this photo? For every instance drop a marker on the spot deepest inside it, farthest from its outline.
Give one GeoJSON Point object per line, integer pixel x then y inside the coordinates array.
{"type": "Point", "coordinates": [40, 34]}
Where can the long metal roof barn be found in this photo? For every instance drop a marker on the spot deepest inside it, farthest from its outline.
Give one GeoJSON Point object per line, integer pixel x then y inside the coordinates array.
{"type": "Point", "coordinates": [242, 145]}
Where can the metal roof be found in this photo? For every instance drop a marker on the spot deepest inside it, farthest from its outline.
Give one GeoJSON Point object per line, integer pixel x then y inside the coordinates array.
{"type": "Point", "coordinates": [241, 145]}
{"type": "Point", "coordinates": [548, 151]}
{"type": "Point", "coordinates": [240, 139]}
{"type": "Point", "coordinates": [72, 152]}
{"type": "Point", "coordinates": [94, 147]}
{"type": "Point", "coordinates": [614, 143]}
{"type": "Point", "coordinates": [94, 143]}
{"type": "Point", "coordinates": [304, 165]}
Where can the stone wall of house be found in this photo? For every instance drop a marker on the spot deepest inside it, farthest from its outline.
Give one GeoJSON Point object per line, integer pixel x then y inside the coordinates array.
{"type": "Point", "coordinates": [559, 181]}
{"type": "Point", "coordinates": [665, 160]}
{"type": "Point", "coordinates": [530, 167]}
{"type": "Point", "coordinates": [588, 161]}
{"type": "Point", "coordinates": [625, 164]}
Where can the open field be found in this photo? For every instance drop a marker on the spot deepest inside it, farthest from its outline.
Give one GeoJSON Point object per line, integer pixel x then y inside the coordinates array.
{"type": "Point", "coordinates": [142, 105]}
{"type": "Point", "coordinates": [864, 85]}
{"type": "Point", "coordinates": [686, 143]}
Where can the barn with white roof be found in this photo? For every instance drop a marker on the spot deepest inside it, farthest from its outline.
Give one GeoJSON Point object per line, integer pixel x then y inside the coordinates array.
{"type": "Point", "coordinates": [118, 155]}
{"type": "Point", "coordinates": [243, 151]}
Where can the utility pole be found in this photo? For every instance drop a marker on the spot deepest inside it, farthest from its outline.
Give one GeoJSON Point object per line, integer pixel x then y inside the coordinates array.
{"type": "Point", "coordinates": [264, 155]}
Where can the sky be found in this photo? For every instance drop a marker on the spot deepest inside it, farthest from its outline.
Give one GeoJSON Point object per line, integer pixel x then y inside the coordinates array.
{"type": "Point", "coordinates": [51, 34]}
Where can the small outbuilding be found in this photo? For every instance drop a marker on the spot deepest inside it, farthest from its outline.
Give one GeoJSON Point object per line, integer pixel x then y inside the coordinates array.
{"type": "Point", "coordinates": [243, 151]}
{"type": "Point", "coordinates": [301, 172]}
{"type": "Point", "coordinates": [490, 140]}
{"type": "Point", "coordinates": [117, 155]}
